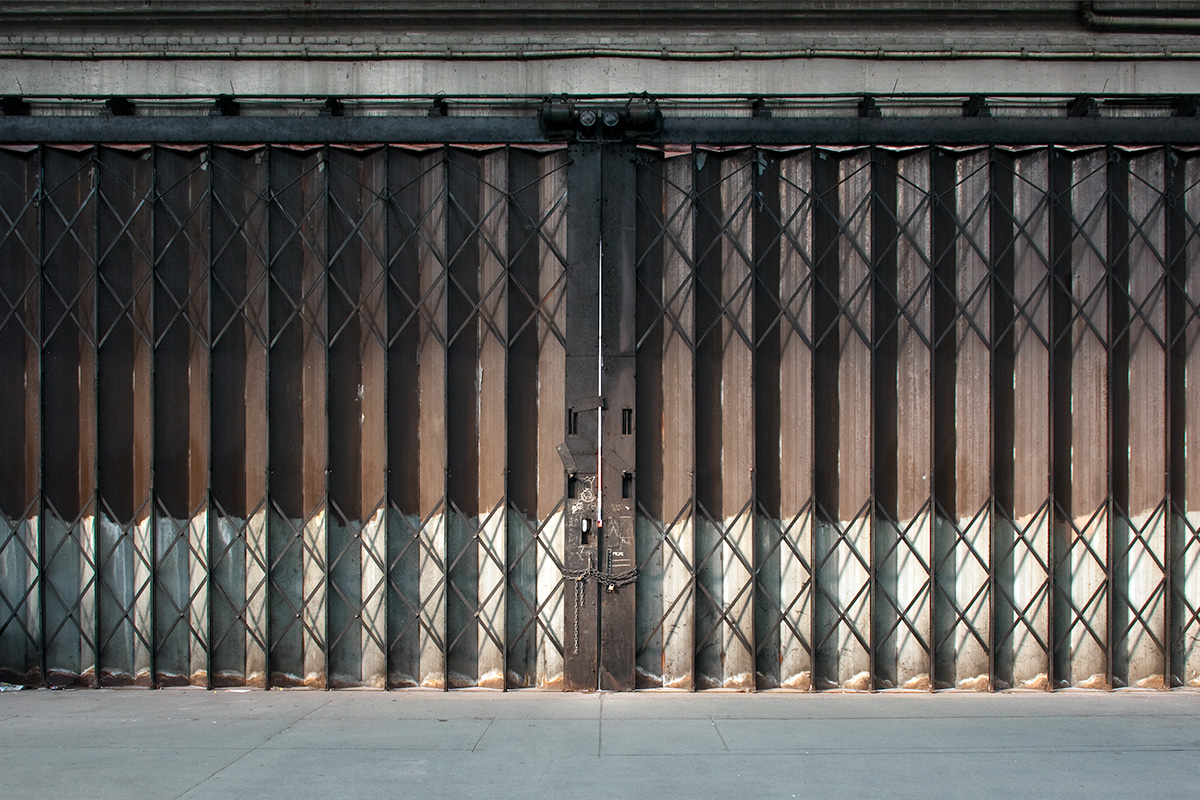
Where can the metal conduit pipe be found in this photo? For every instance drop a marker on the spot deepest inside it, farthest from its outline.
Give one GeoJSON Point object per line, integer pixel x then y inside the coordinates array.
{"type": "Point", "coordinates": [1130, 20]}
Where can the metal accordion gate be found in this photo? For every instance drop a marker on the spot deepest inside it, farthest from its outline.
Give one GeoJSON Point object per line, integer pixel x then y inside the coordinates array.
{"type": "Point", "coordinates": [600, 415]}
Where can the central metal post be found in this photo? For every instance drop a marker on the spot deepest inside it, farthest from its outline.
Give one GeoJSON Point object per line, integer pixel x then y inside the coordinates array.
{"type": "Point", "coordinates": [600, 383]}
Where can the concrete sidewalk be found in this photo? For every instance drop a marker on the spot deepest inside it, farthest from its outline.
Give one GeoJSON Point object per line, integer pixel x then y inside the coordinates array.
{"type": "Point", "coordinates": [190, 743]}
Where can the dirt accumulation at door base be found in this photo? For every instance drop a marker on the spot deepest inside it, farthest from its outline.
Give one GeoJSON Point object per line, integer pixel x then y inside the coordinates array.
{"type": "Point", "coordinates": [855, 418]}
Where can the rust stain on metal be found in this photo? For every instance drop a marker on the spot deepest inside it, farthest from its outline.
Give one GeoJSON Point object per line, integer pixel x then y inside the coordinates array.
{"type": "Point", "coordinates": [876, 418]}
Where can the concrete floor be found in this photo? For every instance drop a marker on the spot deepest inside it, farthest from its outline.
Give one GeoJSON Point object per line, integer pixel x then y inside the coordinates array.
{"type": "Point", "coordinates": [190, 743]}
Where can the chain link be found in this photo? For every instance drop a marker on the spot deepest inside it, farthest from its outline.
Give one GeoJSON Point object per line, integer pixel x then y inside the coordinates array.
{"type": "Point", "coordinates": [610, 580]}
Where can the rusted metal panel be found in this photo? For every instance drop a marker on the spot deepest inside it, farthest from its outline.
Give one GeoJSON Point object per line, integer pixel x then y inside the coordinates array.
{"type": "Point", "coordinates": [1082, 431]}
{"type": "Point", "coordinates": [843, 642]}
{"type": "Point", "coordinates": [357, 439]}
{"type": "Point", "coordinates": [492, 389]}
{"type": "Point", "coordinates": [1025, 544]}
{"type": "Point", "coordinates": [796, 422]}
{"type": "Point", "coordinates": [464, 401]}
{"type": "Point", "coordinates": [970, 364]}
{"type": "Point", "coordinates": [1138, 613]}
{"type": "Point", "coordinates": [678, 428]}
{"type": "Point", "coordinates": [297, 361]}
{"type": "Point", "coordinates": [476, 397]}
{"type": "Point", "coordinates": [725, 507]}
{"type": "Point", "coordinates": [69, 392]}
{"type": "Point", "coordinates": [405, 313]}
{"type": "Point", "coordinates": [652, 246]}
{"type": "Point", "coordinates": [618, 345]}
{"type": "Point", "coordinates": [964, 525]}
{"type": "Point", "coordinates": [582, 395]}
{"type": "Point", "coordinates": [665, 419]}
{"type": "Point", "coordinates": [737, 506]}
{"type": "Point", "coordinates": [21, 633]}
{"type": "Point", "coordinates": [535, 416]}
{"type": "Point", "coordinates": [238, 253]}
{"type": "Point", "coordinates": [551, 538]}
{"type": "Point", "coordinates": [182, 604]}
{"type": "Point", "coordinates": [124, 340]}
{"type": "Point", "coordinates": [1186, 429]}
{"type": "Point", "coordinates": [431, 457]}
{"type": "Point", "coordinates": [903, 537]}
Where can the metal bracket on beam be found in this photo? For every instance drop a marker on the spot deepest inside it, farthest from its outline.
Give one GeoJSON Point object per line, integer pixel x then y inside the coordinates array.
{"type": "Point", "coordinates": [561, 119]}
{"type": "Point", "coordinates": [759, 109]}
{"type": "Point", "coordinates": [1186, 105]}
{"type": "Point", "coordinates": [225, 106]}
{"type": "Point", "coordinates": [867, 107]}
{"type": "Point", "coordinates": [568, 458]}
{"type": "Point", "coordinates": [976, 106]}
{"type": "Point", "coordinates": [333, 107]}
{"type": "Point", "coordinates": [1083, 106]}
{"type": "Point", "coordinates": [119, 107]}
{"type": "Point", "coordinates": [12, 106]}
{"type": "Point", "coordinates": [439, 108]}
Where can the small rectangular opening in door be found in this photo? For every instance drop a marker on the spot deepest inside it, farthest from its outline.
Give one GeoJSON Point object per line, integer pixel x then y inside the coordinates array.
{"type": "Point", "coordinates": [626, 421]}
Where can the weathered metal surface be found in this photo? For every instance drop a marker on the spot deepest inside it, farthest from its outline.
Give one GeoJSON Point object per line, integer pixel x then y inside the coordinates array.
{"type": "Point", "coordinates": [581, 637]}
{"type": "Point", "coordinates": [1140, 534]}
{"type": "Point", "coordinates": [871, 417]}
{"type": "Point", "coordinates": [543, 219]}
{"type": "Point", "coordinates": [1082, 433]}
{"type": "Point", "coordinates": [357, 452]}
{"type": "Point", "coordinates": [1185, 477]}
{"type": "Point", "coordinates": [904, 542]}
{"type": "Point", "coordinates": [21, 553]}
{"type": "Point", "coordinates": [793, 621]}
{"type": "Point", "coordinates": [236, 251]}
{"type": "Point", "coordinates": [963, 435]}
{"type": "Point", "coordinates": [665, 422]}
{"type": "Point", "coordinates": [845, 130]}
{"type": "Point", "coordinates": [618, 455]}
{"type": "Point", "coordinates": [1025, 541]}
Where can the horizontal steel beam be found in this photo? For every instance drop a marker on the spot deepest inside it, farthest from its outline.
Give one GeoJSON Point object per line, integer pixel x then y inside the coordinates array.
{"type": "Point", "coordinates": [934, 130]}
{"type": "Point", "coordinates": [623, 13]}
{"type": "Point", "coordinates": [276, 130]}
{"type": "Point", "coordinates": [703, 130]}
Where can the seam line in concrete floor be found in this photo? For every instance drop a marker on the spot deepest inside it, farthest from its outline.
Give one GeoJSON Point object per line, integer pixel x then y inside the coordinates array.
{"type": "Point", "coordinates": [487, 728]}
{"type": "Point", "coordinates": [719, 734]}
{"type": "Point", "coordinates": [131, 748]}
{"type": "Point", "coordinates": [600, 730]}
{"type": "Point", "coordinates": [858, 751]}
{"type": "Point", "coordinates": [855, 751]}
{"type": "Point", "coordinates": [799, 718]}
{"type": "Point", "coordinates": [257, 747]}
